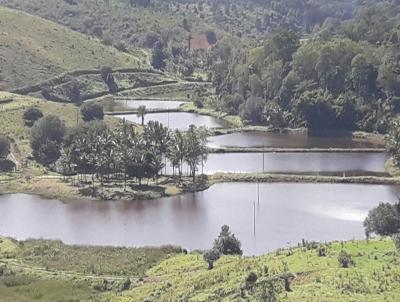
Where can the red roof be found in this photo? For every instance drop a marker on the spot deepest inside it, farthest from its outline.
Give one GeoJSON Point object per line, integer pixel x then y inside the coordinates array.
{"type": "Point", "coordinates": [199, 42]}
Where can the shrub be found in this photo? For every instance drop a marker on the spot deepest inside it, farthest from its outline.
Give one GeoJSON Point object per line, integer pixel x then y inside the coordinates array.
{"type": "Point", "coordinates": [199, 103]}
{"type": "Point", "coordinates": [125, 285]}
{"type": "Point", "coordinates": [251, 278]}
{"type": "Point", "coordinates": [92, 111]}
{"type": "Point", "coordinates": [4, 147]}
{"type": "Point", "coordinates": [31, 115]}
{"type": "Point", "coordinates": [211, 37]}
{"type": "Point", "coordinates": [13, 280]}
{"type": "Point", "coordinates": [396, 240]}
{"type": "Point", "coordinates": [6, 165]}
{"type": "Point", "coordinates": [210, 257]}
{"type": "Point", "coordinates": [345, 259]}
{"type": "Point", "coordinates": [74, 93]}
{"type": "Point", "coordinates": [322, 251]}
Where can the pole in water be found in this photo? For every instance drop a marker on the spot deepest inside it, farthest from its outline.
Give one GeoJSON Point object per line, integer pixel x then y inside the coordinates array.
{"type": "Point", "coordinates": [258, 193]}
{"type": "Point", "coordinates": [168, 116]}
{"type": "Point", "coordinates": [263, 158]}
{"type": "Point", "coordinates": [254, 217]}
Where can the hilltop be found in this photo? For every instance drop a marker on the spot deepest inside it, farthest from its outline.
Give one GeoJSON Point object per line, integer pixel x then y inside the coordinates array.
{"type": "Point", "coordinates": [33, 49]}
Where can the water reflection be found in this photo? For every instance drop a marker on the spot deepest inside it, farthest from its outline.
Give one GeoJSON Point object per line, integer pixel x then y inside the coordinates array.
{"type": "Point", "coordinates": [150, 104]}
{"type": "Point", "coordinates": [287, 140]}
{"type": "Point", "coordinates": [291, 162]}
{"type": "Point", "coordinates": [178, 120]}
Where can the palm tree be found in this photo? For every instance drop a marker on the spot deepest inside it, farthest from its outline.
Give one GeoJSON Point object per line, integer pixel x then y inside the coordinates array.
{"type": "Point", "coordinates": [141, 112]}
{"type": "Point", "coordinates": [177, 150]}
{"type": "Point", "coordinates": [156, 136]}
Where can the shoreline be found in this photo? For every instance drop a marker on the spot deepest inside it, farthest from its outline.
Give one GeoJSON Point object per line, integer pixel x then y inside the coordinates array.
{"type": "Point", "coordinates": [293, 150]}
{"type": "Point", "coordinates": [57, 189]}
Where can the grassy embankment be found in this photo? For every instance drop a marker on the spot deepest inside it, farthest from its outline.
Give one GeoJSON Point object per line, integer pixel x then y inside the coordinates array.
{"type": "Point", "coordinates": [39, 270]}
{"type": "Point", "coordinates": [51, 271]}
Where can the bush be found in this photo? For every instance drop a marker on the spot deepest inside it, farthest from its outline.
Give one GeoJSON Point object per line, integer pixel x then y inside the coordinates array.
{"type": "Point", "coordinates": [322, 251]}
{"type": "Point", "coordinates": [6, 165]}
{"type": "Point", "coordinates": [210, 257]}
{"type": "Point", "coordinates": [211, 37]}
{"type": "Point", "coordinates": [31, 115]}
{"type": "Point", "coordinates": [92, 111]}
{"type": "Point", "coordinates": [199, 103]}
{"type": "Point", "coordinates": [74, 93]}
{"type": "Point", "coordinates": [251, 278]}
{"type": "Point", "coordinates": [13, 280]}
{"type": "Point", "coordinates": [345, 259]}
{"type": "Point", "coordinates": [4, 147]}
{"type": "Point", "coordinates": [396, 240]}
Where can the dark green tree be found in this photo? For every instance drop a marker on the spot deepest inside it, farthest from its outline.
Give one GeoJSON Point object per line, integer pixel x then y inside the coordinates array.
{"type": "Point", "coordinates": [227, 243]}
{"type": "Point", "coordinates": [158, 56]}
{"type": "Point", "coordinates": [31, 115]}
{"type": "Point", "coordinates": [92, 111]}
{"type": "Point", "coordinates": [46, 138]}
{"type": "Point", "coordinates": [384, 220]}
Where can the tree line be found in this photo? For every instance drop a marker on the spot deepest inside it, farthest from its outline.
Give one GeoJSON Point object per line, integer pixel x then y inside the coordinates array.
{"type": "Point", "coordinates": [344, 77]}
{"type": "Point", "coordinates": [92, 148]}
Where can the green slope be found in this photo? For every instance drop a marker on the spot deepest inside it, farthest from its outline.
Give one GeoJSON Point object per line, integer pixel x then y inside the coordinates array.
{"type": "Point", "coordinates": [36, 268]}
{"type": "Point", "coordinates": [33, 49]}
{"type": "Point", "coordinates": [186, 278]}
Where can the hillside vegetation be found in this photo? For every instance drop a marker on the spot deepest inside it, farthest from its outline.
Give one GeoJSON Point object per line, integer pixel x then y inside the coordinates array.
{"type": "Point", "coordinates": [33, 49]}
{"type": "Point", "coordinates": [344, 78]}
{"type": "Point", "coordinates": [228, 25]}
{"type": "Point", "coordinates": [52, 271]}
{"type": "Point", "coordinates": [12, 124]}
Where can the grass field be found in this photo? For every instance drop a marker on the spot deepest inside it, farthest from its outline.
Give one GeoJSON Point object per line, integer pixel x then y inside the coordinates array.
{"type": "Point", "coordinates": [51, 271]}
{"type": "Point", "coordinates": [33, 49]}
{"type": "Point", "coordinates": [39, 270]}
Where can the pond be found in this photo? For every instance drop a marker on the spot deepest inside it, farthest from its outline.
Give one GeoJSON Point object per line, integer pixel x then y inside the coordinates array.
{"type": "Point", "coordinates": [292, 162]}
{"type": "Point", "coordinates": [287, 140]}
{"type": "Point", "coordinates": [285, 215]}
{"type": "Point", "coordinates": [150, 104]}
{"type": "Point", "coordinates": [178, 120]}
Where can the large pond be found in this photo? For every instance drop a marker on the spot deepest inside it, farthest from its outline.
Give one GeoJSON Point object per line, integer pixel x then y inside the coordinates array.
{"type": "Point", "coordinates": [150, 104]}
{"type": "Point", "coordinates": [285, 214]}
{"type": "Point", "coordinates": [292, 162]}
{"type": "Point", "coordinates": [178, 120]}
{"type": "Point", "coordinates": [287, 140]}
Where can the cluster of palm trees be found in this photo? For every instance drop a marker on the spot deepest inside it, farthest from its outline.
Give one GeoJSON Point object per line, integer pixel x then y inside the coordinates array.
{"type": "Point", "coordinates": [95, 150]}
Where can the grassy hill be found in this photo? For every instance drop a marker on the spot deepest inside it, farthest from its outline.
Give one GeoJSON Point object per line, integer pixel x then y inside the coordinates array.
{"type": "Point", "coordinates": [33, 49]}
{"type": "Point", "coordinates": [12, 108]}
{"type": "Point", "coordinates": [35, 268]}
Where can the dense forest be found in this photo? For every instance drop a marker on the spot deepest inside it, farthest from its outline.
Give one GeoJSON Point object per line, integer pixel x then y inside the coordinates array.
{"type": "Point", "coordinates": [346, 77]}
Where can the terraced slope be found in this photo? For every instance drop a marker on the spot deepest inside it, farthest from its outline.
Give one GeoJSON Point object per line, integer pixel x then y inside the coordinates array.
{"type": "Point", "coordinates": [33, 49]}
